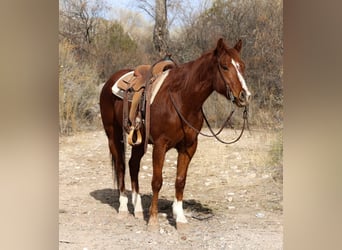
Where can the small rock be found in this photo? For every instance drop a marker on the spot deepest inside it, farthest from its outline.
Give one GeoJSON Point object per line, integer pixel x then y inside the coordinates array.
{"type": "Point", "coordinates": [260, 215]}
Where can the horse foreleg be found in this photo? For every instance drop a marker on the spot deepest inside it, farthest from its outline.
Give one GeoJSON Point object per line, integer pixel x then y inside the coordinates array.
{"type": "Point", "coordinates": [158, 156]}
{"type": "Point", "coordinates": [184, 158]}
{"type": "Point", "coordinates": [134, 167]}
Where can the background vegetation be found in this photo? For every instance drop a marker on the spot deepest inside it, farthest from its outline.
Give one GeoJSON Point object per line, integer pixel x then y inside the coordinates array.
{"type": "Point", "coordinates": [92, 48]}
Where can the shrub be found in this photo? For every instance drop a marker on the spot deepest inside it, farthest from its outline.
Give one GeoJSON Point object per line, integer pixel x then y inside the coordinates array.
{"type": "Point", "coordinates": [78, 96]}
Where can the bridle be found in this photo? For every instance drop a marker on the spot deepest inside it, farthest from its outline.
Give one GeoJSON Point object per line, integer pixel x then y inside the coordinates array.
{"type": "Point", "coordinates": [229, 92]}
{"type": "Point", "coordinates": [231, 97]}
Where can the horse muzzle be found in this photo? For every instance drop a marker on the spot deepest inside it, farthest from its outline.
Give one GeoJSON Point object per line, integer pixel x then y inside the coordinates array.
{"type": "Point", "coordinates": [244, 98]}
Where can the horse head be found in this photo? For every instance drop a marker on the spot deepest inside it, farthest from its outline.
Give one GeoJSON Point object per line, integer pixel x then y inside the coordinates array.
{"type": "Point", "coordinates": [231, 68]}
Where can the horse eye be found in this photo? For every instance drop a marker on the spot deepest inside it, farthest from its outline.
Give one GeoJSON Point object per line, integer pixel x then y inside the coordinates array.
{"type": "Point", "coordinates": [225, 67]}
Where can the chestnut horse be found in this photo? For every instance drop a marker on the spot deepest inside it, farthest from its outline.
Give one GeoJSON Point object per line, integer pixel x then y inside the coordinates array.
{"type": "Point", "coordinates": [180, 98]}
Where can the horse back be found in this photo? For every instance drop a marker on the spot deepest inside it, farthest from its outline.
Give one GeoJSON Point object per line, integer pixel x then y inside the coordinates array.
{"type": "Point", "coordinates": [107, 99]}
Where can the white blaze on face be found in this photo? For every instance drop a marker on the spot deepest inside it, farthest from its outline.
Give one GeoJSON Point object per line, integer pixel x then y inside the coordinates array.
{"type": "Point", "coordinates": [241, 79]}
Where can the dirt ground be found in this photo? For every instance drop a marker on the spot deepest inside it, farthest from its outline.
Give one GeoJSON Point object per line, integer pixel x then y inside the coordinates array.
{"type": "Point", "coordinates": [233, 197]}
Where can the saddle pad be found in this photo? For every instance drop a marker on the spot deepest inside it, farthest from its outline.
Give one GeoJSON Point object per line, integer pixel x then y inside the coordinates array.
{"type": "Point", "coordinates": [119, 92]}
{"type": "Point", "coordinates": [155, 86]}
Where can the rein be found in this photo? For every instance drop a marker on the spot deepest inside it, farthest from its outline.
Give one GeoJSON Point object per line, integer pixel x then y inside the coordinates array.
{"type": "Point", "coordinates": [245, 121]}
{"type": "Point", "coordinates": [213, 134]}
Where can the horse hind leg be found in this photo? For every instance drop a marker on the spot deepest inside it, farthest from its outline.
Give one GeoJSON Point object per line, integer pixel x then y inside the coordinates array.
{"type": "Point", "coordinates": [134, 167]}
{"type": "Point", "coordinates": [117, 151]}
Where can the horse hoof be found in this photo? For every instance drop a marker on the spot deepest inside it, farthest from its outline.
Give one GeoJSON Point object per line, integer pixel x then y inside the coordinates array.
{"type": "Point", "coordinates": [182, 227]}
{"type": "Point", "coordinates": [154, 228]}
{"type": "Point", "coordinates": [139, 215]}
{"type": "Point", "coordinates": [123, 215]}
{"type": "Point", "coordinates": [153, 225]}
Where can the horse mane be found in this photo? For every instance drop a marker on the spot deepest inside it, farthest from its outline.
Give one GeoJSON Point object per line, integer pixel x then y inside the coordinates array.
{"type": "Point", "coordinates": [184, 73]}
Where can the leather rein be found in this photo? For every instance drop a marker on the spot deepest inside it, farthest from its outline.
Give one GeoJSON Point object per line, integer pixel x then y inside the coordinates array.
{"type": "Point", "coordinates": [231, 97]}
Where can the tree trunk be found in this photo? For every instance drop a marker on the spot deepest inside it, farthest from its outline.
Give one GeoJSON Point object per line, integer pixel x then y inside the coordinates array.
{"type": "Point", "coordinates": [160, 32]}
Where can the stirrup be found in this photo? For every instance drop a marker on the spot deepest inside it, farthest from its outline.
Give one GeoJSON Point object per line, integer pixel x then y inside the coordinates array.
{"type": "Point", "coordinates": [134, 137]}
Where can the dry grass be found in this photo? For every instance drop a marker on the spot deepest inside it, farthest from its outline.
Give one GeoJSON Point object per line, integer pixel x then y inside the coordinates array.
{"type": "Point", "coordinates": [78, 95]}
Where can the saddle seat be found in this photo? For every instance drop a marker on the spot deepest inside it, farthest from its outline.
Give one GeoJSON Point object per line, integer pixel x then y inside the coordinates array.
{"type": "Point", "coordinates": [142, 73]}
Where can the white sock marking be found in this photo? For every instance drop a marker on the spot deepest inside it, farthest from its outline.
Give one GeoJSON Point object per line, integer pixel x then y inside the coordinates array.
{"type": "Point", "coordinates": [123, 203]}
{"type": "Point", "coordinates": [178, 213]}
{"type": "Point", "coordinates": [136, 199]}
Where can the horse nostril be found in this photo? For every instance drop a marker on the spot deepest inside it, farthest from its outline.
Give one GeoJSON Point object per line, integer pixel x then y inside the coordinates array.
{"type": "Point", "coordinates": [242, 96]}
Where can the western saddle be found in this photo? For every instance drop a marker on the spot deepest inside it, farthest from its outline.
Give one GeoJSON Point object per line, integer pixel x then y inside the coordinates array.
{"type": "Point", "coordinates": [137, 89]}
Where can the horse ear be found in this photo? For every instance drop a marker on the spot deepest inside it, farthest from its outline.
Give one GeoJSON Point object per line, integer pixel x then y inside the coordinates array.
{"type": "Point", "coordinates": [220, 46]}
{"type": "Point", "coordinates": [238, 45]}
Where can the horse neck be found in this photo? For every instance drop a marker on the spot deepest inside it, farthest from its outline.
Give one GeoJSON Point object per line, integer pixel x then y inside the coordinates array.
{"type": "Point", "coordinates": [198, 83]}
